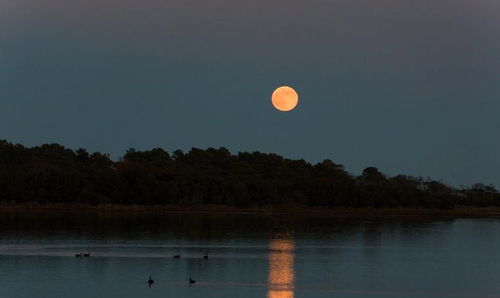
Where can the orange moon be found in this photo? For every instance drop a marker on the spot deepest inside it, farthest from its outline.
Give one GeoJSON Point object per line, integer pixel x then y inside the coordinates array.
{"type": "Point", "coordinates": [285, 98]}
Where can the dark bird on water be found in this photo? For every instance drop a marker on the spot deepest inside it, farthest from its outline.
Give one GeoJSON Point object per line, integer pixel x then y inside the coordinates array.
{"type": "Point", "coordinates": [79, 255]}
{"type": "Point", "coordinates": [191, 281]}
{"type": "Point", "coordinates": [86, 255]}
{"type": "Point", "coordinates": [177, 256]}
{"type": "Point", "coordinates": [150, 281]}
{"type": "Point", "coordinates": [206, 256]}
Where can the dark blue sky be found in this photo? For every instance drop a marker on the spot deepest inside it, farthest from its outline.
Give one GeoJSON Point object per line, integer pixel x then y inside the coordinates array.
{"type": "Point", "coordinates": [408, 86]}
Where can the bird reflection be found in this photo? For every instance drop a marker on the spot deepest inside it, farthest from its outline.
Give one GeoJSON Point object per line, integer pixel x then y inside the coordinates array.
{"type": "Point", "coordinates": [281, 273]}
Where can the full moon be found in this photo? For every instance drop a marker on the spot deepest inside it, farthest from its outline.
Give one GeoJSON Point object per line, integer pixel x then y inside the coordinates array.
{"type": "Point", "coordinates": [285, 98]}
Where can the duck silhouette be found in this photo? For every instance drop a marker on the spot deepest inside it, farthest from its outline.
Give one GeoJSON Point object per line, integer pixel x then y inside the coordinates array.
{"type": "Point", "coordinates": [79, 255]}
{"type": "Point", "coordinates": [205, 256]}
{"type": "Point", "coordinates": [86, 255]}
{"type": "Point", "coordinates": [150, 281]}
{"type": "Point", "coordinates": [177, 256]}
{"type": "Point", "coordinates": [191, 281]}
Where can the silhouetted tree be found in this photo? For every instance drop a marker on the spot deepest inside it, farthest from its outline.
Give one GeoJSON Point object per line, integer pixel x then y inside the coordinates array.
{"type": "Point", "coordinates": [53, 174]}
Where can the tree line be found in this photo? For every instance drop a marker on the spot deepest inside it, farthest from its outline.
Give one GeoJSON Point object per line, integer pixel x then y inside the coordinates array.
{"type": "Point", "coordinates": [51, 173]}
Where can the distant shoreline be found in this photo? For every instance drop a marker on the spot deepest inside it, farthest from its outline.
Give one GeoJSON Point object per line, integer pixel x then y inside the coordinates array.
{"type": "Point", "coordinates": [216, 180]}
{"type": "Point", "coordinates": [217, 209]}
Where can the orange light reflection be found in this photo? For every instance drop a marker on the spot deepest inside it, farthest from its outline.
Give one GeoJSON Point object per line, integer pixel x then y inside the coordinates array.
{"type": "Point", "coordinates": [281, 272]}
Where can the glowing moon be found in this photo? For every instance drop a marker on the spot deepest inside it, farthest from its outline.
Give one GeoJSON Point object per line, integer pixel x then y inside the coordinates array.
{"type": "Point", "coordinates": [285, 98]}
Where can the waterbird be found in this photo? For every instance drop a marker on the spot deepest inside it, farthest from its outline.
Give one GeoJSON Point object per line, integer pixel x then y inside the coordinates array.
{"type": "Point", "coordinates": [206, 256]}
{"type": "Point", "coordinates": [191, 281]}
{"type": "Point", "coordinates": [78, 255]}
{"type": "Point", "coordinates": [150, 281]}
{"type": "Point", "coordinates": [86, 255]}
{"type": "Point", "coordinates": [177, 256]}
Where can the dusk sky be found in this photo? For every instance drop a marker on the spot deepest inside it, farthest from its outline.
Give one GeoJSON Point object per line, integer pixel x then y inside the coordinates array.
{"type": "Point", "coordinates": [408, 86]}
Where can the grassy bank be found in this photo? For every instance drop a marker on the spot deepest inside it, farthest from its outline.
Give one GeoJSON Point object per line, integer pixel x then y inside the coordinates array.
{"type": "Point", "coordinates": [459, 211]}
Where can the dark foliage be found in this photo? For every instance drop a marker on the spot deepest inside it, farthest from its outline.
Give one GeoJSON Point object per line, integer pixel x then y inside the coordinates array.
{"type": "Point", "coordinates": [54, 174]}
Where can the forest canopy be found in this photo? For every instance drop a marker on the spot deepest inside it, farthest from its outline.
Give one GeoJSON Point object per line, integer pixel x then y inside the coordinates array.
{"type": "Point", "coordinates": [51, 173]}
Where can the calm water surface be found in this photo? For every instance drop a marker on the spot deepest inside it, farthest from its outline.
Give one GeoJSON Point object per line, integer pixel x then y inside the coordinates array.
{"type": "Point", "coordinates": [249, 256]}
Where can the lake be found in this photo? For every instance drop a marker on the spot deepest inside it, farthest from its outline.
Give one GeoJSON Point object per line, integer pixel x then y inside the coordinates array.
{"type": "Point", "coordinates": [273, 256]}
